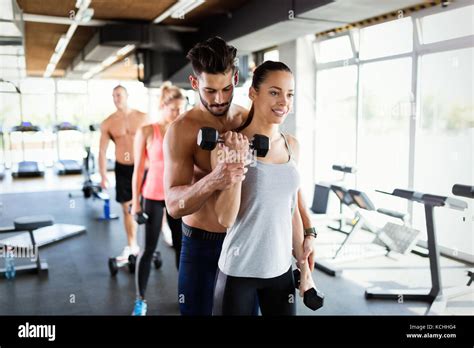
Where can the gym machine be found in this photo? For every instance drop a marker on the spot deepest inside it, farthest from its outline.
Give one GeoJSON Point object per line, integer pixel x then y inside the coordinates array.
{"type": "Point", "coordinates": [435, 296]}
{"type": "Point", "coordinates": [66, 166]}
{"type": "Point", "coordinates": [392, 237]}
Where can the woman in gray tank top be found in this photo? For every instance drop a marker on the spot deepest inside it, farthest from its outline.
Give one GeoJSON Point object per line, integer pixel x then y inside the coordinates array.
{"type": "Point", "coordinates": [261, 212]}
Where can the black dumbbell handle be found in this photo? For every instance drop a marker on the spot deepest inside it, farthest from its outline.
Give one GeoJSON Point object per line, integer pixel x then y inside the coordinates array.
{"type": "Point", "coordinates": [141, 218]}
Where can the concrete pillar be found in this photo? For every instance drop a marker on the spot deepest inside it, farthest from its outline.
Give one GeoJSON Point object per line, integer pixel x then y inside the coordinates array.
{"type": "Point", "coordinates": [298, 55]}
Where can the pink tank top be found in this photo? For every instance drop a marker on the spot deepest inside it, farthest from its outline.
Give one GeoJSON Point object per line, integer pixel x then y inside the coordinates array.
{"type": "Point", "coordinates": [153, 187]}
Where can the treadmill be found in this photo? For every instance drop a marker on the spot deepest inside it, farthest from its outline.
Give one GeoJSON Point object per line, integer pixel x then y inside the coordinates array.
{"type": "Point", "coordinates": [24, 168]}
{"type": "Point", "coordinates": [66, 166]}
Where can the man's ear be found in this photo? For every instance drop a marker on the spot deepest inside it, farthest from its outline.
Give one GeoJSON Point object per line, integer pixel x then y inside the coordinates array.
{"type": "Point", "coordinates": [236, 77]}
{"type": "Point", "coordinates": [194, 82]}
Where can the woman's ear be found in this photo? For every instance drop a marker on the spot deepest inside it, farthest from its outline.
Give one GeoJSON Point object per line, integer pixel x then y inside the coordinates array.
{"type": "Point", "coordinates": [252, 93]}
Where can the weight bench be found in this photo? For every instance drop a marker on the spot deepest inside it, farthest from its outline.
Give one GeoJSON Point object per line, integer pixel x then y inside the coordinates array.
{"type": "Point", "coordinates": [386, 239]}
{"type": "Point", "coordinates": [30, 224]}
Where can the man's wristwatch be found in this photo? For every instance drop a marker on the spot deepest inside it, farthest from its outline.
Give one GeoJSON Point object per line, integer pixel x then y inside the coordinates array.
{"type": "Point", "coordinates": [310, 231]}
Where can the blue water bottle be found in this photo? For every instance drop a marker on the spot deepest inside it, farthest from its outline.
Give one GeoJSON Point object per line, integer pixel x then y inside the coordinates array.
{"type": "Point", "coordinates": [9, 264]}
{"type": "Point", "coordinates": [107, 209]}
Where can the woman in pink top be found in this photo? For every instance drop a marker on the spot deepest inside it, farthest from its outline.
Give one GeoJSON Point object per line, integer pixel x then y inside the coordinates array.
{"type": "Point", "coordinates": [148, 147]}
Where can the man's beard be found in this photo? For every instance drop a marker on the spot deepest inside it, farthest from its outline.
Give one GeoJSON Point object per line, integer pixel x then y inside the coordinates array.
{"type": "Point", "coordinates": [208, 107]}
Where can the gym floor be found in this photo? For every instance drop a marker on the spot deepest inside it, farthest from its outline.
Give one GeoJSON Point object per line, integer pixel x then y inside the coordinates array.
{"type": "Point", "coordinates": [79, 282]}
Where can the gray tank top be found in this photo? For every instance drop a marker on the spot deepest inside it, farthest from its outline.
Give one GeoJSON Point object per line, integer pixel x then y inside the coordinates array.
{"type": "Point", "coordinates": [259, 244]}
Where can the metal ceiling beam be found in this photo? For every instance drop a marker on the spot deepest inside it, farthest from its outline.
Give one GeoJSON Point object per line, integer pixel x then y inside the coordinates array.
{"type": "Point", "coordinates": [11, 41]}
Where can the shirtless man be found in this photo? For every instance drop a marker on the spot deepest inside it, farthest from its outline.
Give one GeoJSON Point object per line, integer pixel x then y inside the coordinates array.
{"type": "Point", "coordinates": [191, 184]}
{"type": "Point", "coordinates": [189, 180]}
{"type": "Point", "coordinates": [120, 127]}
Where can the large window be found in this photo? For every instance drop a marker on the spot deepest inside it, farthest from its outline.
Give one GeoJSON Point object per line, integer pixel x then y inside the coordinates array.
{"type": "Point", "coordinates": [448, 25]}
{"type": "Point", "coordinates": [45, 102]}
{"type": "Point", "coordinates": [445, 139]}
{"type": "Point", "coordinates": [387, 39]}
{"type": "Point", "coordinates": [271, 55]}
{"type": "Point", "coordinates": [101, 103]}
{"type": "Point", "coordinates": [404, 112]}
{"type": "Point", "coordinates": [35, 104]}
{"type": "Point", "coordinates": [384, 127]}
{"type": "Point", "coordinates": [336, 121]}
{"type": "Point", "coordinates": [71, 103]}
{"type": "Point", "coordinates": [334, 49]}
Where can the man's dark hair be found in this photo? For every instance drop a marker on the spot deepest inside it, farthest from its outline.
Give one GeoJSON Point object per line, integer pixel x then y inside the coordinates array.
{"type": "Point", "coordinates": [213, 56]}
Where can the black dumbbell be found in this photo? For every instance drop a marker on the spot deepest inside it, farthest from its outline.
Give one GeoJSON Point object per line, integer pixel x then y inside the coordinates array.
{"type": "Point", "coordinates": [132, 263]}
{"type": "Point", "coordinates": [312, 298]}
{"type": "Point", "coordinates": [208, 138]}
{"type": "Point", "coordinates": [157, 260]}
{"type": "Point", "coordinates": [113, 267]}
{"type": "Point", "coordinates": [141, 218]}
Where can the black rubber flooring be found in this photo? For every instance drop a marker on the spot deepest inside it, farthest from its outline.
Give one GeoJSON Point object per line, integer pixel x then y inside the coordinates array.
{"type": "Point", "coordinates": [79, 282]}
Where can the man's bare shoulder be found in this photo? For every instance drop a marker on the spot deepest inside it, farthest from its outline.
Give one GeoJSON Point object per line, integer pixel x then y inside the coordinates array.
{"type": "Point", "coordinates": [185, 127]}
{"type": "Point", "coordinates": [188, 120]}
{"type": "Point", "coordinates": [239, 109]}
{"type": "Point", "coordinates": [108, 120]}
{"type": "Point", "coordinates": [238, 113]}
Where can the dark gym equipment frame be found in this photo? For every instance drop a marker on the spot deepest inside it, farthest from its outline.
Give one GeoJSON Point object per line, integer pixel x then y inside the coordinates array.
{"type": "Point", "coordinates": [435, 295]}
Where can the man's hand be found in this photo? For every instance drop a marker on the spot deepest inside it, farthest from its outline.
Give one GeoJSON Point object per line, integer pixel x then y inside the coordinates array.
{"type": "Point", "coordinates": [226, 174]}
{"type": "Point", "coordinates": [104, 183]}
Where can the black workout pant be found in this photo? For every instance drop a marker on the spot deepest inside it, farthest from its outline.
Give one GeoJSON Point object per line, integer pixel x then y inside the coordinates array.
{"type": "Point", "coordinates": [236, 295]}
{"type": "Point", "coordinates": [154, 210]}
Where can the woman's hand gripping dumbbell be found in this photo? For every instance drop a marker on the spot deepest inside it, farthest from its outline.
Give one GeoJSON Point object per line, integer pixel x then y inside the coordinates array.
{"type": "Point", "coordinates": [138, 214]}
{"type": "Point", "coordinates": [312, 297]}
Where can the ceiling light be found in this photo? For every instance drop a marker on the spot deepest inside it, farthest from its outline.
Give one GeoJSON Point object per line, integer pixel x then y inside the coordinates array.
{"type": "Point", "coordinates": [86, 15]}
{"type": "Point", "coordinates": [109, 61]}
{"type": "Point", "coordinates": [54, 58]}
{"type": "Point", "coordinates": [185, 8]}
{"type": "Point", "coordinates": [96, 69]}
{"type": "Point", "coordinates": [49, 70]}
{"type": "Point", "coordinates": [71, 30]}
{"type": "Point", "coordinates": [87, 75]}
{"type": "Point", "coordinates": [179, 9]}
{"type": "Point", "coordinates": [124, 50]}
{"type": "Point", "coordinates": [82, 15]}
{"type": "Point", "coordinates": [61, 45]}
{"type": "Point", "coordinates": [82, 3]}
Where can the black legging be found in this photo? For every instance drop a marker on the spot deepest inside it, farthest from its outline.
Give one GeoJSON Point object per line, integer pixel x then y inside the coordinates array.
{"type": "Point", "coordinates": [236, 295]}
{"type": "Point", "coordinates": [154, 210]}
